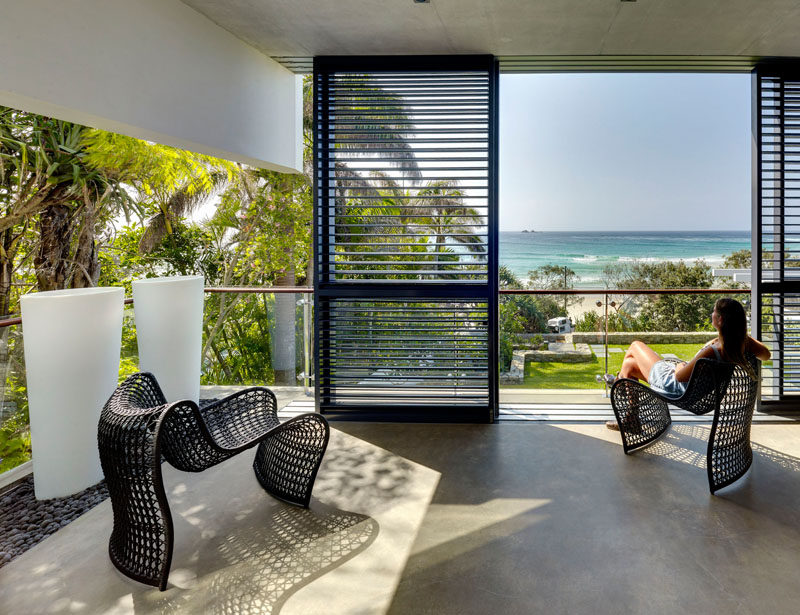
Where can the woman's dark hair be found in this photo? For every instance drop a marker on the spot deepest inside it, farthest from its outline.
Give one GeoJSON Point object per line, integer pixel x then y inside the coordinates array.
{"type": "Point", "coordinates": [733, 333]}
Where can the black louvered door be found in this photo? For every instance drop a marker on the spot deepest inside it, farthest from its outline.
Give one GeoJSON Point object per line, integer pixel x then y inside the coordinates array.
{"type": "Point", "coordinates": [776, 227]}
{"type": "Point", "coordinates": [405, 158]}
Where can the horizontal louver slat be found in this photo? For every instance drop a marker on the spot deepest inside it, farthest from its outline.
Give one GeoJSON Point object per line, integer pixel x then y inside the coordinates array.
{"type": "Point", "coordinates": [444, 354]}
{"type": "Point", "coordinates": [440, 214]}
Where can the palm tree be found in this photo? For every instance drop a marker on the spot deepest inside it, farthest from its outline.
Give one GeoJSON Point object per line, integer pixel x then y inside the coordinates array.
{"type": "Point", "coordinates": [369, 136]}
{"type": "Point", "coordinates": [169, 182]}
{"type": "Point", "coordinates": [434, 209]}
{"type": "Point", "coordinates": [46, 180]}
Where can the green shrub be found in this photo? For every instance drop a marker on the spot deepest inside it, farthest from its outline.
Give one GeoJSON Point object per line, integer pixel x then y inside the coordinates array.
{"type": "Point", "coordinates": [588, 322]}
{"type": "Point", "coordinates": [15, 441]}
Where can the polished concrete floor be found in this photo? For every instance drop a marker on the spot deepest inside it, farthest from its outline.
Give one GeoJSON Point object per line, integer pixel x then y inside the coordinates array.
{"type": "Point", "coordinates": [556, 519]}
{"type": "Point", "coordinates": [508, 518]}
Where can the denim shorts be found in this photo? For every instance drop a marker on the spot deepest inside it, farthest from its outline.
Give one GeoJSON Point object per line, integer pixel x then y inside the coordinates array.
{"type": "Point", "coordinates": [662, 380]}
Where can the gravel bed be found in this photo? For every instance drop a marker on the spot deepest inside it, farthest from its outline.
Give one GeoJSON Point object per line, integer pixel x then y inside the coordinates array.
{"type": "Point", "coordinates": [26, 521]}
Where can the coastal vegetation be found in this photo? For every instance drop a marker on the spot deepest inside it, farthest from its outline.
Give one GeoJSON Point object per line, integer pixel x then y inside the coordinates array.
{"type": "Point", "coordinates": [528, 314]}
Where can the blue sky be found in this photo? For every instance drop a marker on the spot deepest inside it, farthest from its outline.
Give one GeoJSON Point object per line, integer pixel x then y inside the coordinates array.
{"type": "Point", "coordinates": [625, 152]}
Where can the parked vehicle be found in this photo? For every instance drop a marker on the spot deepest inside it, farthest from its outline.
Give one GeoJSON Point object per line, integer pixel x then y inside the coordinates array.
{"type": "Point", "coordinates": [562, 324]}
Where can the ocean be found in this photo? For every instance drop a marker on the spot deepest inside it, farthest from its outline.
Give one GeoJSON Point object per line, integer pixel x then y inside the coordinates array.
{"type": "Point", "coordinates": [587, 253]}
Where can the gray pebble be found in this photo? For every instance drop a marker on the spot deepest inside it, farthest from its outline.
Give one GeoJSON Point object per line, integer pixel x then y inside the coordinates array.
{"type": "Point", "coordinates": [26, 521]}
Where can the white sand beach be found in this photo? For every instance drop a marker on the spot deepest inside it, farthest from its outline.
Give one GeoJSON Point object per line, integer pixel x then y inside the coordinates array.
{"type": "Point", "coordinates": [588, 303]}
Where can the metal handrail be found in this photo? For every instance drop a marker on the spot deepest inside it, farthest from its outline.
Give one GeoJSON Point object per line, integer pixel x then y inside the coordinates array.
{"type": "Point", "coordinates": [623, 291]}
{"type": "Point", "coordinates": [307, 290]}
{"type": "Point", "coordinates": [606, 292]}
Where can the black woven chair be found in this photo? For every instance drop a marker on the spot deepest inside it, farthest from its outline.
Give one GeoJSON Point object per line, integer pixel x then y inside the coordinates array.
{"type": "Point", "coordinates": [714, 386]}
{"type": "Point", "coordinates": [137, 427]}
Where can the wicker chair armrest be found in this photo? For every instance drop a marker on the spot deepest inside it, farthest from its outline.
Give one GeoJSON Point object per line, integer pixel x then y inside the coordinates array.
{"type": "Point", "coordinates": [642, 414]}
{"type": "Point", "coordinates": [269, 407]}
{"type": "Point", "coordinates": [139, 394]}
{"type": "Point", "coordinates": [241, 420]}
{"type": "Point", "coordinates": [132, 411]}
{"type": "Point", "coordinates": [621, 384]}
{"type": "Point", "coordinates": [288, 458]}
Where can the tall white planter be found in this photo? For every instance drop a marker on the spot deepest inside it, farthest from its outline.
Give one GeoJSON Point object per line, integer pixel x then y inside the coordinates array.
{"type": "Point", "coordinates": [72, 344]}
{"type": "Point", "coordinates": [169, 330]}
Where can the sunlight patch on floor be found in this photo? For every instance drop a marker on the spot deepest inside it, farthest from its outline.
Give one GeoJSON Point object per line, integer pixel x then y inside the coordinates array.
{"type": "Point", "coordinates": [453, 530]}
{"type": "Point", "coordinates": [239, 550]}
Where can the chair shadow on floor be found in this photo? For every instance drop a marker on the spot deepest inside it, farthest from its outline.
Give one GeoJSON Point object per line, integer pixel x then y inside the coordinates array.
{"type": "Point", "coordinates": [362, 476]}
{"type": "Point", "coordinates": [683, 443]}
{"type": "Point", "coordinates": [263, 561]}
{"type": "Point", "coordinates": [258, 562]}
{"type": "Point", "coordinates": [771, 486]}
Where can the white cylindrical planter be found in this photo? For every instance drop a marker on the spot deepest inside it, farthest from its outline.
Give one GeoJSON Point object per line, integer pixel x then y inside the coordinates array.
{"type": "Point", "coordinates": [169, 331]}
{"type": "Point", "coordinates": [72, 343]}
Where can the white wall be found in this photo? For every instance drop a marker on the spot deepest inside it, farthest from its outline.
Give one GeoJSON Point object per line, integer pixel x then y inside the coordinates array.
{"type": "Point", "coordinates": [152, 69]}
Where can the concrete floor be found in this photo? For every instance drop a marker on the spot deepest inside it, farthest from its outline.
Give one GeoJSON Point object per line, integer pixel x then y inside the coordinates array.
{"type": "Point", "coordinates": [508, 518]}
{"type": "Point", "coordinates": [556, 519]}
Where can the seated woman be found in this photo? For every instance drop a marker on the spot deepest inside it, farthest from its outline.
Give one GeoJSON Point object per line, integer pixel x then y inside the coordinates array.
{"type": "Point", "coordinates": [643, 363]}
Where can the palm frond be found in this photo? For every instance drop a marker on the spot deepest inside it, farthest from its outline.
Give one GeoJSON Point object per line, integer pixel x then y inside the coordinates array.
{"type": "Point", "coordinates": [154, 233]}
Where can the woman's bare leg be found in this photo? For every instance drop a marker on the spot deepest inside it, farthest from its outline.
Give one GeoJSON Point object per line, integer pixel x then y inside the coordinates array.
{"type": "Point", "coordinates": [638, 361]}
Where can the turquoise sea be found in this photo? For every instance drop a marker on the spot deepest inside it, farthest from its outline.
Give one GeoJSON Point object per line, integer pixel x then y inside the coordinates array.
{"type": "Point", "coordinates": [587, 253]}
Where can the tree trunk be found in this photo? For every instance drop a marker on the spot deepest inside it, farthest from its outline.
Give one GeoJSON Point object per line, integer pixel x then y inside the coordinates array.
{"type": "Point", "coordinates": [51, 262]}
{"type": "Point", "coordinates": [223, 364]}
{"type": "Point", "coordinates": [87, 267]}
{"type": "Point", "coordinates": [284, 353]}
{"type": "Point", "coordinates": [440, 245]}
{"type": "Point", "coordinates": [6, 271]}
{"type": "Point", "coordinates": [86, 272]}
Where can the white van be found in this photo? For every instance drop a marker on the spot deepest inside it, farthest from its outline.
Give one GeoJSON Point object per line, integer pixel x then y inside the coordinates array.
{"type": "Point", "coordinates": [562, 324]}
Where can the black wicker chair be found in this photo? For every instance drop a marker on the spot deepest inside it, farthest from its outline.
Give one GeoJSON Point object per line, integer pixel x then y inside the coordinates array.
{"type": "Point", "coordinates": [137, 427]}
{"type": "Point", "coordinates": [724, 388]}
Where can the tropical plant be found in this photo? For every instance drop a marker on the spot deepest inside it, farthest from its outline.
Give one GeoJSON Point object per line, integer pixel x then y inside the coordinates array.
{"type": "Point", "coordinates": [261, 229]}
{"type": "Point", "coordinates": [53, 203]}
{"type": "Point", "coordinates": [432, 208]}
{"type": "Point", "coordinates": [555, 277]}
{"type": "Point", "coordinates": [678, 312]}
{"type": "Point", "coordinates": [740, 259]}
{"type": "Point", "coordinates": [169, 182]}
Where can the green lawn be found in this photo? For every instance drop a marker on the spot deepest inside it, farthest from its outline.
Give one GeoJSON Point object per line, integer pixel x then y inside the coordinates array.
{"type": "Point", "coordinates": [581, 375]}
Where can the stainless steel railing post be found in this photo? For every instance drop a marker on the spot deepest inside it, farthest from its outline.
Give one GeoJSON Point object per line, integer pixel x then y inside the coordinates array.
{"type": "Point", "coordinates": [307, 344]}
{"type": "Point", "coordinates": [605, 383]}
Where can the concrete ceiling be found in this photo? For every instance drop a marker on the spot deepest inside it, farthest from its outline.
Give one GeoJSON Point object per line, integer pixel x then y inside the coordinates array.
{"type": "Point", "coordinates": [511, 27]}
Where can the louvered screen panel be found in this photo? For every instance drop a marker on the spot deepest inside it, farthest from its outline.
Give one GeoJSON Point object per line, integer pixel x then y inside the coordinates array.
{"type": "Point", "coordinates": [406, 353]}
{"type": "Point", "coordinates": [777, 229]}
{"type": "Point", "coordinates": [409, 152]}
{"type": "Point", "coordinates": [780, 331]}
{"type": "Point", "coordinates": [405, 193]}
